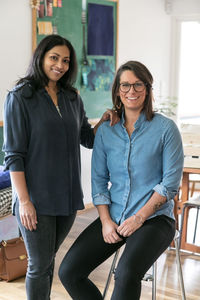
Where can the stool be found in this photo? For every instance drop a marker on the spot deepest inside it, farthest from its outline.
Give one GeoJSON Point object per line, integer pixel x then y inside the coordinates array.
{"type": "Point", "coordinates": [153, 276]}
{"type": "Point", "coordinates": [192, 203]}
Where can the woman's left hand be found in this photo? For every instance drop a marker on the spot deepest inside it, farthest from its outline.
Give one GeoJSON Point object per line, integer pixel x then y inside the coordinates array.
{"type": "Point", "coordinates": [128, 226]}
{"type": "Point", "coordinates": [111, 115]}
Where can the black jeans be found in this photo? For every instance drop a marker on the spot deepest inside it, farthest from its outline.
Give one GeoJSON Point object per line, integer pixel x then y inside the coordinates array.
{"type": "Point", "coordinates": [141, 250]}
{"type": "Point", "coordinates": [42, 245]}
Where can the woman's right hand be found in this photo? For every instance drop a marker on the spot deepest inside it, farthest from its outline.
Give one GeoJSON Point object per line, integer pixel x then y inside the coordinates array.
{"type": "Point", "coordinates": [109, 230]}
{"type": "Point", "coordinates": [27, 210]}
{"type": "Point", "coordinates": [28, 215]}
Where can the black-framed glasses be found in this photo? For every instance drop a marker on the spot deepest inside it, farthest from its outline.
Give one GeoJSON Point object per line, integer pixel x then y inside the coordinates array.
{"type": "Point", "coordinates": [137, 86]}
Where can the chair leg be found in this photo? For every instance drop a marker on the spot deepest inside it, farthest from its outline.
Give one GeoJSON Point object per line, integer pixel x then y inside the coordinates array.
{"type": "Point", "coordinates": [112, 271]}
{"type": "Point", "coordinates": [181, 228]}
{"type": "Point", "coordinates": [196, 223]}
{"type": "Point", "coordinates": [180, 274]}
{"type": "Point", "coordinates": [154, 280]}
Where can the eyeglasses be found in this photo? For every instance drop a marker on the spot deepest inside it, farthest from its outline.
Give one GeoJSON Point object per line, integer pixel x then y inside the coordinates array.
{"type": "Point", "coordinates": [137, 86]}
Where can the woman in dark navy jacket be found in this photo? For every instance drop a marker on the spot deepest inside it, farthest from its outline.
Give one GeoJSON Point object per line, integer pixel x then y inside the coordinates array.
{"type": "Point", "coordinates": [44, 125]}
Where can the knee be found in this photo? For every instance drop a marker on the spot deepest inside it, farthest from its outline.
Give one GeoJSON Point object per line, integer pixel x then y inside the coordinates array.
{"type": "Point", "coordinates": [38, 267]}
{"type": "Point", "coordinates": [64, 272]}
{"type": "Point", "coordinates": [68, 273]}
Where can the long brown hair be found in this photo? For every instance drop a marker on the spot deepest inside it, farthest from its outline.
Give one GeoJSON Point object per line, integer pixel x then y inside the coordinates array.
{"type": "Point", "coordinates": [142, 73]}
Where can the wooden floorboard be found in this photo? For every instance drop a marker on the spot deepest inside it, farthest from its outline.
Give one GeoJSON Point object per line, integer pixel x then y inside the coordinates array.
{"type": "Point", "coordinates": [167, 279]}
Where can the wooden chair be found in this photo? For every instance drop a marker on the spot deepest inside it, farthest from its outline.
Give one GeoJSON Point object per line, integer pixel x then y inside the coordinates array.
{"type": "Point", "coordinates": [191, 144]}
{"type": "Point", "coordinates": [184, 244]}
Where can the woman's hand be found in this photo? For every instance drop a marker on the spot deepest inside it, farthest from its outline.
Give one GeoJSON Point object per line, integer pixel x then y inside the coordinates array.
{"type": "Point", "coordinates": [111, 115]}
{"type": "Point", "coordinates": [28, 215]}
{"type": "Point", "coordinates": [130, 225]}
{"type": "Point", "coordinates": [27, 210]}
{"type": "Point", "coordinates": [109, 230]}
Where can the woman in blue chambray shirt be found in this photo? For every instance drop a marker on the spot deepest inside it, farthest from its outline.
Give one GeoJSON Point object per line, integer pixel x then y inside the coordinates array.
{"type": "Point", "coordinates": [136, 171]}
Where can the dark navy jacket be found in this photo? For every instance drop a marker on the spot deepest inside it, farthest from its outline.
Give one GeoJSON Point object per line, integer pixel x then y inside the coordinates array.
{"type": "Point", "coordinates": [47, 147]}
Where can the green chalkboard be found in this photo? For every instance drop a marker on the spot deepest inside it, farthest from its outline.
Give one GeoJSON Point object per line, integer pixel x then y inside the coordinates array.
{"type": "Point", "coordinates": [67, 21]}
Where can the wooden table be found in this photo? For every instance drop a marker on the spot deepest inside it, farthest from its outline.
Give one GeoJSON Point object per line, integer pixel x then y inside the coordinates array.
{"type": "Point", "coordinates": [184, 189]}
{"type": "Point", "coordinates": [179, 202]}
{"type": "Point", "coordinates": [190, 134]}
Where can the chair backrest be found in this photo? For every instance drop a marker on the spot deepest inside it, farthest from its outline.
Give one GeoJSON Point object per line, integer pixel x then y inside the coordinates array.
{"type": "Point", "coordinates": [191, 143]}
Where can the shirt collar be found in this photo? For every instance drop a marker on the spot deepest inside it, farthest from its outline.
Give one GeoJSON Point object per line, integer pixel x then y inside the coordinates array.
{"type": "Point", "coordinates": [139, 121]}
{"type": "Point", "coordinates": [43, 90]}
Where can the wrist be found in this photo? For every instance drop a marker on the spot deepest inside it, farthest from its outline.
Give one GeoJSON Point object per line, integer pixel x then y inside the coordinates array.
{"type": "Point", "coordinates": [138, 219]}
{"type": "Point", "coordinates": [105, 220]}
{"type": "Point", "coordinates": [24, 201]}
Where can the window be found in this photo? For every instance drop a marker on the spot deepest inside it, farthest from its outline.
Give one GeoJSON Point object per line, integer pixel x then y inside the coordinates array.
{"type": "Point", "coordinates": [189, 73]}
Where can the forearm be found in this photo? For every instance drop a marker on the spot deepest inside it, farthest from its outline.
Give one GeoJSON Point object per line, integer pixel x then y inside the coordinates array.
{"type": "Point", "coordinates": [103, 212]}
{"type": "Point", "coordinates": [19, 183]}
{"type": "Point", "coordinates": [154, 204]}
{"type": "Point", "coordinates": [26, 208]}
{"type": "Point", "coordinates": [134, 222]}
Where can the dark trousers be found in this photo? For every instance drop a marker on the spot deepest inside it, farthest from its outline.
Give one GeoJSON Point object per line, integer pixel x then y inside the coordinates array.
{"type": "Point", "coordinates": [141, 250]}
{"type": "Point", "coordinates": [42, 245]}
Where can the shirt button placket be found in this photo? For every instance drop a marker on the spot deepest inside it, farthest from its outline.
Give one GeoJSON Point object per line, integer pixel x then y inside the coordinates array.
{"type": "Point", "coordinates": [127, 176]}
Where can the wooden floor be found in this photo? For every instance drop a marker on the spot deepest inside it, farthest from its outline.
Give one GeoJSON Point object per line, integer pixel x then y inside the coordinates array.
{"type": "Point", "coordinates": [167, 280]}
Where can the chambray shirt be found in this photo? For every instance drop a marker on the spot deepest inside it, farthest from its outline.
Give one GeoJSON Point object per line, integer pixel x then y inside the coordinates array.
{"type": "Point", "coordinates": [127, 170]}
{"type": "Point", "coordinates": [46, 147]}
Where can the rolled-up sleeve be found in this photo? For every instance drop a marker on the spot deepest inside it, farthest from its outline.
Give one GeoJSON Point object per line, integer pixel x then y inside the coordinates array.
{"type": "Point", "coordinates": [173, 159]}
{"type": "Point", "coordinates": [100, 173]}
{"type": "Point", "coordinates": [15, 134]}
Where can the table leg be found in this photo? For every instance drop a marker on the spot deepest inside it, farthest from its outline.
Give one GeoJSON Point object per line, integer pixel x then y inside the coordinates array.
{"type": "Point", "coordinates": [185, 187]}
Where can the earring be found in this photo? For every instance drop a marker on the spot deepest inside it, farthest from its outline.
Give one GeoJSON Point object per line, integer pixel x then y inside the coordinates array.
{"type": "Point", "coordinates": [119, 105]}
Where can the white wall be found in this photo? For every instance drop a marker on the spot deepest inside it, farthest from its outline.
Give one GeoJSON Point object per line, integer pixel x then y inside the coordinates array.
{"type": "Point", "coordinates": [15, 40]}
{"type": "Point", "coordinates": [85, 173]}
{"type": "Point", "coordinates": [185, 7]}
{"type": "Point", "coordinates": [144, 35]}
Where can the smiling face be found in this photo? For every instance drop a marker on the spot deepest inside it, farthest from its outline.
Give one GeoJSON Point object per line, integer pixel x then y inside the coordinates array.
{"type": "Point", "coordinates": [56, 63]}
{"type": "Point", "coordinates": [132, 100]}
